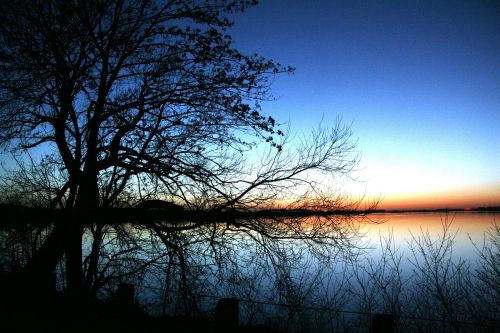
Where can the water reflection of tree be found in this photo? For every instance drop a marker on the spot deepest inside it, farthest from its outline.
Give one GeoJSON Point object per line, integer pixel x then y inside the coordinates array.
{"type": "Point", "coordinates": [175, 270]}
{"type": "Point", "coordinates": [232, 258]}
{"type": "Point", "coordinates": [173, 264]}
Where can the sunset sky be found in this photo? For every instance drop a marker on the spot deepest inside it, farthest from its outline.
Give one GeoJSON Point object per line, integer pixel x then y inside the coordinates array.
{"type": "Point", "coordinates": [419, 80]}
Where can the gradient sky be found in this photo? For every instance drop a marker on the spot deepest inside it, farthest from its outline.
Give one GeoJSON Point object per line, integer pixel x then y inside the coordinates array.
{"type": "Point", "coordinates": [419, 80]}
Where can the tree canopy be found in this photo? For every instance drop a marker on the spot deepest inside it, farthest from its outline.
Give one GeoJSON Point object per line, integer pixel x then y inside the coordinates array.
{"type": "Point", "coordinates": [123, 88]}
{"type": "Point", "coordinates": [134, 99]}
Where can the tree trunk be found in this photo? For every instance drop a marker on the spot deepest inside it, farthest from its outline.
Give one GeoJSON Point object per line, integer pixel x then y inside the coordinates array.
{"type": "Point", "coordinates": [86, 202]}
{"type": "Point", "coordinates": [73, 251]}
{"type": "Point", "coordinates": [41, 267]}
{"type": "Point", "coordinates": [91, 273]}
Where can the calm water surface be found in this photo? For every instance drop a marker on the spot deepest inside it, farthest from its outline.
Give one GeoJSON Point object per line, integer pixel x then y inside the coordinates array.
{"type": "Point", "coordinates": [242, 270]}
{"type": "Point", "coordinates": [468, 229]}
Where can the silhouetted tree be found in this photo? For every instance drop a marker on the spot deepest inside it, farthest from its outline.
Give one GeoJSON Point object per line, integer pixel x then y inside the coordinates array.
{"type": "Point", "coordinates": [33, 182]}
{"type": "Point", "coordinates": [140, 96]}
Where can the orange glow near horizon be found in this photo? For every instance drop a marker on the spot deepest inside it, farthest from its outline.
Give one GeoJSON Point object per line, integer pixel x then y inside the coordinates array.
{"type": "Point", "coordinates": [466, 198]}
{"type": "Point", "coordinates": [412, 182]}
{"type": "Point", "coordinates": [471, 197]}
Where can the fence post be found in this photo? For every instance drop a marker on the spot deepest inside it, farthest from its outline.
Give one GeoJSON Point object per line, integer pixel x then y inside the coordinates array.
{"type": "Point", "coordinates": [227, 315]}
{"type": "Point", "coordinates": [382, 323]}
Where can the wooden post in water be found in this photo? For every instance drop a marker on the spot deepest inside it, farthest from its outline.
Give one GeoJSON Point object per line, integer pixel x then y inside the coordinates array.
{"type": "Point", "coordinates": [227, 315]}
{"type": "Point", "coordinates": [382, 323]}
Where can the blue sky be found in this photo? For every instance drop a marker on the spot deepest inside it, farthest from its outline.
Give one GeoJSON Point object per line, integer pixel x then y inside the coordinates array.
{"type": "Point", "coordinates": [419, 80]}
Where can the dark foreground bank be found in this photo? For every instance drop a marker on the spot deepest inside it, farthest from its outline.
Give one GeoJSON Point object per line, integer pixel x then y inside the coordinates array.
{"type": "Point", "coordinates": [26, 309]}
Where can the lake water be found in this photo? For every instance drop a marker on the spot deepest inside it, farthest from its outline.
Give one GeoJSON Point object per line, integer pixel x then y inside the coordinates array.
{"type": "Point", "coordinates": [267, 274]}
{"type": "Point", "coordinates": [468, 229]}
{"type": "Point", "coordinates": [355, 266]}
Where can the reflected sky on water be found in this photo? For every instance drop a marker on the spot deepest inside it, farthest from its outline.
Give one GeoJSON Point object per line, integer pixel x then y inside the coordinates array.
{"type": "Point", "coordinates": [469, 228]}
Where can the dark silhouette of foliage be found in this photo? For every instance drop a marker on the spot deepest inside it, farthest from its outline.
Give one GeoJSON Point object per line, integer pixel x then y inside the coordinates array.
{"type": "Point", "coordinates": [123, 88]}
{"type": "Point", "coordinates": [138, 100]}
